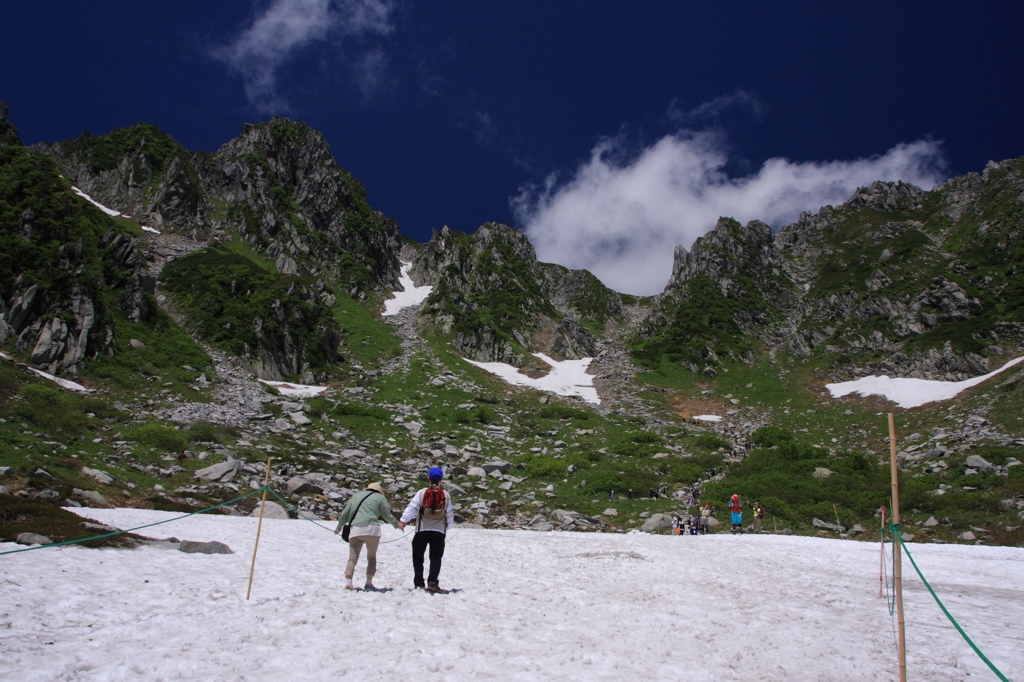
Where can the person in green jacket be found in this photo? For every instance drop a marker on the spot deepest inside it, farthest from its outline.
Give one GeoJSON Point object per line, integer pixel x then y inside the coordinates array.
{"type": "Point", "coordinates": [364, 512]}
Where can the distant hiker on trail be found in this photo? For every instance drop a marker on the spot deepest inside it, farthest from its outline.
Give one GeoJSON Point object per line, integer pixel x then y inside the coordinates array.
{"type": "Point", "coordinates": [181, 457]}
{"type": "Point", "coordinates": [758, 516]}
{"type": "Point", "coordinates": [611, 495]}
{"type": "Point", "coordinates": [736, 507]}
{"type": "Point", "coordinates": [705, 514]}
{"type": "Point", "coordinates": [363, 514]}
{"type": "Point", "coordinates": [432, 509]}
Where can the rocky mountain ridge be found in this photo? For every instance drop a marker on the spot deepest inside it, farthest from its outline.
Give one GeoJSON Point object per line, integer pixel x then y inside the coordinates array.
{"type": "Point", "coordinates": [896, 280]}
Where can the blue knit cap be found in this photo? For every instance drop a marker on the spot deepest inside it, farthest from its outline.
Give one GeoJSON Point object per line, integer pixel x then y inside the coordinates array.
{"type": "Point", "coordinates": [435, 474]}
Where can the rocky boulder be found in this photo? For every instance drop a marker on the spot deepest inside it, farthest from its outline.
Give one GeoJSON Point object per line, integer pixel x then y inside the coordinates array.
{"type": "Point", "coordinates": [825, 525]}
{"type": "Point", "coordinates": [656, 522]}
{"type": "Point", "coordinates": [212, 547]}
{"type": "Point", "coordinates": [271, 510]}
{"type": "Point", "coordinates": [223, 472]}
{"type": "Point", "coordinates": [299, 485]}
{"type": "Point", "coordinates": [33, 539]}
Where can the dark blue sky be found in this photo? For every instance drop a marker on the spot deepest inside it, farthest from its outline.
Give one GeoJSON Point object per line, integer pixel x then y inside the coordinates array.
{"type": "Point", "coordinates": [444, 110]}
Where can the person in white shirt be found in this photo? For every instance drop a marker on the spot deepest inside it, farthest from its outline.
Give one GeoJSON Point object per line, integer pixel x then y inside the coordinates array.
{"type": "Point", "coordinates": [432, 509]}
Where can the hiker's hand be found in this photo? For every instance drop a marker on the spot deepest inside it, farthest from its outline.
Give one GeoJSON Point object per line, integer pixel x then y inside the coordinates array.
{"type": "Point", "coordinates": [336, 532]}
{"type": "Point", "coordinates": [401, 527]}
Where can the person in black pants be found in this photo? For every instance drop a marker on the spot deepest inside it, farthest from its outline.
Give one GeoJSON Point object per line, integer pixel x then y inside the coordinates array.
{"type": "Point", "coordinates": [432, 509]}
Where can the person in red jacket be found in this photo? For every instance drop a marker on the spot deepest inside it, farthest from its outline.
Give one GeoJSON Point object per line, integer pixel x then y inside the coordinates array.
{"type": "Point", "coordinates": [736, 507]}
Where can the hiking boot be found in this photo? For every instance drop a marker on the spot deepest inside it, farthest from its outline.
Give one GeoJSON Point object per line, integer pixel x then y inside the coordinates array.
{"type": "Point", "coordinates": [435, 588]}
{"type": "Point", "coordinates": [369, 585]}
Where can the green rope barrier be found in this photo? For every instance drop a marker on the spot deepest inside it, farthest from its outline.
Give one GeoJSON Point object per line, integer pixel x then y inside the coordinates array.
{"type": "Point", "coordinates": [300, 514]}
{"type": "Point", "coordinates": [946, 611]}
{"type": "Point", "coordinates": [132, 530]}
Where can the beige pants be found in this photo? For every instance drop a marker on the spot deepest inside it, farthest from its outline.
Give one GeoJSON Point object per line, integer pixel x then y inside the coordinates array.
{"type": "Point", "coordinates": [355, 545]}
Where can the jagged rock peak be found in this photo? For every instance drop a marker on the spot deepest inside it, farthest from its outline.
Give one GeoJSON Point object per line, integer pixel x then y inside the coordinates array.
{"type": "Point", "coordinates": [730, 248]}
{"type": "Point", "coordinates": [887, 196]}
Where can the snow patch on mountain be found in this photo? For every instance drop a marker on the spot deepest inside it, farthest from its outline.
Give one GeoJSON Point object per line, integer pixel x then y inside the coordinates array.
{"type": "Point", "coordinates": [911, 392]}
{"type": "Point", "coordinates": [109, 211]}
{"type": "Point", "coordinates": [295, 390]}
{"type": "Point", "coordinates": [411, 295]}
{"type": "Point", "coordinates": [568, 377]}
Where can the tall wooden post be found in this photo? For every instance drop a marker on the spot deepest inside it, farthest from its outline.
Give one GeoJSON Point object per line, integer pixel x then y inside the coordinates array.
{"type": "Point", "coordinates": [259, 527]}
{"type": "Point", "coordinates": [897, 571]}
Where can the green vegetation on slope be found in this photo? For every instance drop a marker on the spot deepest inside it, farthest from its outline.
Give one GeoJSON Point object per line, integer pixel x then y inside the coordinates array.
{"type": "Point", "coordinates": [240, 307]}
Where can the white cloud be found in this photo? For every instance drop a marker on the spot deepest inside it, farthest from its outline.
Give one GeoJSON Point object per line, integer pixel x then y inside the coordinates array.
{"type": "Point", "coordinates": [621, 215]}
{"type": "Point", "coordinates": [284, 27]}
{"type": "Point", "coordinates": [370, 73]}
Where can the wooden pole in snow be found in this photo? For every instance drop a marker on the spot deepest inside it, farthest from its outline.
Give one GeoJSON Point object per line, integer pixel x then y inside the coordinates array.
{"type": "Point", "coordinates": [897, 572]}
{"type": "Point", "coordinates": [259, 527]}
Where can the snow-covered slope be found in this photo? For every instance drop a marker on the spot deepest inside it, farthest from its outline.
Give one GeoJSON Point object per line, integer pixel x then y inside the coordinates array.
{"type": "Point", "coordinates": [911, 392]}
{"type": "Point", "coordinates": [411, 295]}
{"type": "Point", "coordinates": [532, 606]}
{"type": "Point", "coordinates": [568, 377]}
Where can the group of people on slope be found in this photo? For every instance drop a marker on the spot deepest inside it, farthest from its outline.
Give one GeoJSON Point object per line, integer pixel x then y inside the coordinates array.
{"type": "Point", "coordinates": [697, 524]}
{"type": "Point", "coordinates": [430, 508]}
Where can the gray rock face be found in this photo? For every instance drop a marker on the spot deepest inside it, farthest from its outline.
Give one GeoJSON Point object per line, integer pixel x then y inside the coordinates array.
{"type": "Point", "coordinates": [656, 522]}
{"type": "Point", "coordinates": [101, 476]}
{"type": "Point", "coordinates": [92, 497]}
{"type": "Point", "coordinates": [300, 419]}
{"type": "Point", "coordinates": [574, 341]}
{"type": "Point", "coordinates": [818, 523]}
{"type": "Point", "coordinates": [967, 535]}
{"type": "Point", "coordinates": [978, 462]}
{"type": "Point", "coordinates": [476, 471]}
{"type": "Point", "coordinates": [212, 547]}
{"type": "Point", "coordinates": [224, 472]}
{"type": "Point", "coordinates": [453, 489]}
{"type": "Point", "coordinates": [33, 539]}
{"type": "Point", "coordinates": [271, 510]}
{"type": "Point", "coordinates": [4, 490]}
{"type": "Point", "coordinates": [500, 466]}
{"type": "Point", "coordinates": [300, 485]}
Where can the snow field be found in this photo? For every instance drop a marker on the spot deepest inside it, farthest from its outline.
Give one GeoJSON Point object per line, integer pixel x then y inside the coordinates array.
{"type": "Point", "coordinates": [294, 390]}
{"type": "Point", "coordinates": [911, 392]}
{"type": "Point", "coordinates": [409, 296]}
{"type": "Point", "coordinates": [568, 377]}
{"type": "Point", "coordinates": [532, 606]}
{"type": "Point", "coordinates": [109, 211]}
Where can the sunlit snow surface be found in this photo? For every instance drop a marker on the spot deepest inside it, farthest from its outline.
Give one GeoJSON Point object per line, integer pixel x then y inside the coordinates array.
{"type": "Point", "coordinates": [66, 383]}
{"type": "Point", "coordinates": [568, 377]}
{"type": "Point", "coordinates": [531, 606]}
{"type": "Point", "coordinates": [295, 390]}
{"type": "Point", "coordinates": [409, 296]}
{"type": "Point", "coordinates": [910, 392]}
{"type": "Point", "coordinates": [108, 211]}
{"type": "Point", "coordinates": [708, 417]}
